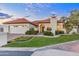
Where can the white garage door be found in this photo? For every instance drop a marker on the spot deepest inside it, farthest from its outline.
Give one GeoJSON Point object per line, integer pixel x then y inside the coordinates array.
{"type": "Point", "coordinates": [18, 29]}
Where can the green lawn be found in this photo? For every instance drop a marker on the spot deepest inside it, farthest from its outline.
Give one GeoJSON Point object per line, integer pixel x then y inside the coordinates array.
{"type": "Point", "coordinates": [41, 41]}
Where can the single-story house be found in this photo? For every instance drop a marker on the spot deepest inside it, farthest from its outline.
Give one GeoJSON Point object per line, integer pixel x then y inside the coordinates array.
{"type": "Point", "coordinates": [19, 25]}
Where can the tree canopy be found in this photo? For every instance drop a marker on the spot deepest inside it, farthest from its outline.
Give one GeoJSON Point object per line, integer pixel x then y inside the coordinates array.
{"type": "Point", "coordinates": [71, 20]}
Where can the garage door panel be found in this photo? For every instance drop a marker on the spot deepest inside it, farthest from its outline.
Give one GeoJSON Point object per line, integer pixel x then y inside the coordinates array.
{"type": "Point", "coordinates": [19, 30]}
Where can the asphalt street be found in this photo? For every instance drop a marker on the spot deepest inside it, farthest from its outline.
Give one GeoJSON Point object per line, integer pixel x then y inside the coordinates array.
{"type": "Point", "coordinates": [16, 53]}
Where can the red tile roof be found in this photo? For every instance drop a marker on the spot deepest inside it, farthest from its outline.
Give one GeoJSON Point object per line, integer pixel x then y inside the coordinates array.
{"type": "Point", "coordinates": [23, 20]}
{"type": "Point", "coordinates": [36, 23]}
{"type": "Point", "coordinates": [41, 21]}
{"type": "Point", "coordinates": [45, 21]}
{"type": "Point", "coordinates": [17, 21]}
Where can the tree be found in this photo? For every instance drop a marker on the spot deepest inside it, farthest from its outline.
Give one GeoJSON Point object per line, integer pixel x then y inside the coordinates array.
{"type": "Point", "coordinates": [74, 17]}
{"type": "Point", "coordinates": [72, 20]}
{"type": "Point", "coordinates": [68, 26]}
{"type": "Point", "coordinates": [67, 23]}
{"type": "Point", "coordinates": [63, 18]}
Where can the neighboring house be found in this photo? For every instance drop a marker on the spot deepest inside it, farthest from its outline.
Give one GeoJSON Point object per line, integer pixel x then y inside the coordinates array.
{"type": "Point", "coordinates": [1, 28]}
{"type": "Point", "coordinates": [19, 25]}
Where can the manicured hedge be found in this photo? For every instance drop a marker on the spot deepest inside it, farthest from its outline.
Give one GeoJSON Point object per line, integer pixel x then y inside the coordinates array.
{"type": "Point", "coordinates": [59, 32]}
{"type": "Point", "coordinates": [48, 33]}
{"type": "Point", "coordinates": [31, 31]}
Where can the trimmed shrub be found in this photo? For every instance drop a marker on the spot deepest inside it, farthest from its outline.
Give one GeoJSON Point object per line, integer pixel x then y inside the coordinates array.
{"type": "Point", "coordinates": [31, 31]}
{"type": "Point", "coordinates": [59, 32]}
{"type": "Point", "coordinates": [49, 29]}
{"type": "Point", "coordinates": [48, 33]}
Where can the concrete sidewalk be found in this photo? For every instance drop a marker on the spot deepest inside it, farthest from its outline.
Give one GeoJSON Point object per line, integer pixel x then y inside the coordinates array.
{"type": "Point", "coordinates": [54, 52]}
{"type": "Point", "coordinates": [38, 51]}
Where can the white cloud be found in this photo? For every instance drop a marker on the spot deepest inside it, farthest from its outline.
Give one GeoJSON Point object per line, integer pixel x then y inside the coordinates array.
{"type": "Point", "coordinates": [53, 12]}
{"type": "Point", "coordinates": [34, 9]}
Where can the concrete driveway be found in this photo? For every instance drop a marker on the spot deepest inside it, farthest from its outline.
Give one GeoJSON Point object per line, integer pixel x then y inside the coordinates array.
{"type": "Point", "coordinates": [62, 49]}
{"type": "Point", "coordinates": [73, 46]}
{"type": "Point", "coordinates": [13, 36]}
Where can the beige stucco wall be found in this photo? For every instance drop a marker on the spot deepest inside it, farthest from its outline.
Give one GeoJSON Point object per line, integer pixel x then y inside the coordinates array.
{"type": "Point", "coordinates": [46, 25]}
{"type": "Point", "coordinates": [60, 26]}
{"type": "Point", "coordinates": [3, 39]}
{"type": "Point", "coordinates": [32, 26]}
{"type": "Point", "coordinates": [20, 29]}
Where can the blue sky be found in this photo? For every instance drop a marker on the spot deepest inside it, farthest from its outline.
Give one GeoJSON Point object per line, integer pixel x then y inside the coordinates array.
{"type": "Point", "coordinates": [36, 11]}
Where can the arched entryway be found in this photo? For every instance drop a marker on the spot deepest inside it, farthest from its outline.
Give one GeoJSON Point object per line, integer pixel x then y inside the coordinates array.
{"type": "Point", "coordinates": [41, 27]}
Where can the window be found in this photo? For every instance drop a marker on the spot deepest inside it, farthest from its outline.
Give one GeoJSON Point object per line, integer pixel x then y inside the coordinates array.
{"type": "Point", "coordinates": [49, 29]}
{"type": "Point", "coordinates": [19, 25]}
{"type": "Point", "coordinates": [16, 26]}
{"type": "Point", "coordinates": [23, 26]}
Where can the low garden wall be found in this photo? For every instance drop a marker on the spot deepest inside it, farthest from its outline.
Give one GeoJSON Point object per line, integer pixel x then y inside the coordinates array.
{"type": "Point", "coordinates": [3, 39]}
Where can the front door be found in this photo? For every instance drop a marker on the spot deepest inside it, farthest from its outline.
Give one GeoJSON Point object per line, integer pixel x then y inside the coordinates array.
{"type": "Point", "coordinates": [41, 28]}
